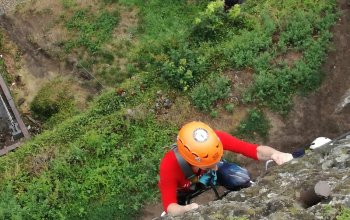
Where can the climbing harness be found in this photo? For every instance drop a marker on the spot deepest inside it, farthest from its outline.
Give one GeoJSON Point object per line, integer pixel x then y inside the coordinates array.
{"type": "Point", "coordinates": [197, 188]}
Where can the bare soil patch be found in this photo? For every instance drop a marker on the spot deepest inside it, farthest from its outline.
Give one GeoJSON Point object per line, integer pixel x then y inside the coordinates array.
{"type": "Point", "coordinates": [289, 58]}
{"type": "Point", "coordinates": [33, 54]}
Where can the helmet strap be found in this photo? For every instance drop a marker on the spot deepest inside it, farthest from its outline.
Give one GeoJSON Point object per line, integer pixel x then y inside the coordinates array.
{"type": "Point", "coordinates": [184, 165]}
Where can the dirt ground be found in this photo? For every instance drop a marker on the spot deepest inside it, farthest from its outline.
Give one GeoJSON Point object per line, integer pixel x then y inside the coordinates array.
{"type": "Point", "coordinates": [36, 65]}
{"type": "Point", "coordinates": [313, 116]}
{"type": "Point", "coordinates": [34, 52]}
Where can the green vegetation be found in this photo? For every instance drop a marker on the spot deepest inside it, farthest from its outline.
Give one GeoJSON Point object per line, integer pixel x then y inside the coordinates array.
{"type": "Point", "coordinates": [344, 214]}
{"type": "Point", "coordinates": [1, 41]}
{"type": "Point", "coordinates": [90, 35]}
{"type": "Point", "coordinates": [87, 166]}
{"type": "Point", "coordinates": [91, 31]}
{"type": "Point", "coordinates": [208, 92]}
{"type": "Point", "coordinates": [2, 66]}
{"type": "Point", "coordinates": [103, 163]}
{"type": "Point", "coordinates": [214, 23]}
{"type": "Point", "coordinates": [285, 49]}
{"type": "Point", "coordinates": [180, 66]}
{"type": "Point", "coordinates": [3, 70]}
{"type": "Point", "coordinates": [55, 97]}
{"type": "Point", "coordinates": [230, 107]}
{"type": "Point", "coordinates": [52, 98]}
{"type": "Point", "coordinates": [162, 20]}
{"type": "Point", "coordinates": [254, 124]}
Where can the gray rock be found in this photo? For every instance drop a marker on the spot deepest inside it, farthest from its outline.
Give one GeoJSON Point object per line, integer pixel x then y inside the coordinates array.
{"type": "Point", "coordinates": [277, 195]}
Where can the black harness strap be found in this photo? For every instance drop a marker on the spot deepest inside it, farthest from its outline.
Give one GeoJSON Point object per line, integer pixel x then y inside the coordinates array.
{"type": "Point", "coordinates": [184, 165]}
{"type": "Point", "coordinates": [190, 175]}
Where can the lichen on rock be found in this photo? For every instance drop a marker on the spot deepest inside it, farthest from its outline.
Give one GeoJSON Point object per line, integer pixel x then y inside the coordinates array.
{"type": "Point", "coordinates": [277, 194]}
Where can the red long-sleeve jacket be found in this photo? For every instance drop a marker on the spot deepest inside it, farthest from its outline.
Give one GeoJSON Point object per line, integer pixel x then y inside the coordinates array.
{"type": "Point", "coordinates": [172, 177]}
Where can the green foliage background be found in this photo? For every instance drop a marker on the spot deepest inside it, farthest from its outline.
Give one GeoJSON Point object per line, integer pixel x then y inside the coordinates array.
{"type": "Point", "coordinates": [103, 163]}
{"type": "Point", "coordinates": [54, 97]}
{"type": "Point", "coordinates": [86, 166]}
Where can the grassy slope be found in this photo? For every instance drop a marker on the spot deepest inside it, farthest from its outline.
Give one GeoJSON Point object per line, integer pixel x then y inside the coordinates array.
{"type": "Point", "coordinates": [87, 165]}
{"type": "Point", "coordinates": [97, 163]}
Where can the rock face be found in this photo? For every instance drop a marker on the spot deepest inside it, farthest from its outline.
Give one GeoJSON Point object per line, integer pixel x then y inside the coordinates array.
{"type": "Point", "coordinates": [288, 191]}
{"type": "Point", "coordinates": [344, 103]}
{"type": "Point", "coordinates": [6, 5]}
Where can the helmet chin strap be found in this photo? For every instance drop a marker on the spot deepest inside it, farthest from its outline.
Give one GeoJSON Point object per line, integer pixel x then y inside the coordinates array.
{"type": "Point", "coordinates": [184, 165]}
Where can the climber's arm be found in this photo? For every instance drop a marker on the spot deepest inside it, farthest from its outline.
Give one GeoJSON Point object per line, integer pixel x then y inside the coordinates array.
{"type": "Point", "coordinates": [268, 153]}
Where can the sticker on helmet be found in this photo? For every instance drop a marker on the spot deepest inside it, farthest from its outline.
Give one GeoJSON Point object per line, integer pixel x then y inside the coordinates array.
{"type": "Point", "coordinates": [200, 135]}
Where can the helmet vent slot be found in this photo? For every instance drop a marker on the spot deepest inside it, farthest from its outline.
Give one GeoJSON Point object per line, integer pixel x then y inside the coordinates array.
{"type": "Point", "coordinates": [187, 148]}
{"type": "Point", "coordinates": [206, 156]}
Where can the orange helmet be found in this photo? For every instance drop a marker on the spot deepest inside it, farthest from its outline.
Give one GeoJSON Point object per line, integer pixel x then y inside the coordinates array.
{"type": "Point", "coordinates": [199, 145]}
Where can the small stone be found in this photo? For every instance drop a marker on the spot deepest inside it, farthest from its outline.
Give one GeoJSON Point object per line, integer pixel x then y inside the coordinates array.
{"type": "Point", "coordinates": [323, 189]}
{"type": "Point", "coordinates": [167, 103]}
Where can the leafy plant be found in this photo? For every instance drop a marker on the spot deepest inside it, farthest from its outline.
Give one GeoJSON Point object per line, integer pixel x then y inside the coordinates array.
{"type": "Point", "coordinates": [54, 97]}
{"type": "Point", "coordinates": [68, 3]}
{"type": "Point", "coordinates": [229, 107]}
{"type": "Point", "coordinates": [242, 50]}
{"type": "Point", "coordinates": [255, 124]}
{"type": "Point", "coordinates": [344, 214]}
{"type": "Point", "coordinates": [206, 94]}
{"type": "Point", "coordinates": [89, 30]}
{"type": "Point", "coordinates": [9, 208]}
{"type": "Point", "coordinates": [180, 66]}
{"type": "Point", "coordinates": [212, 24]}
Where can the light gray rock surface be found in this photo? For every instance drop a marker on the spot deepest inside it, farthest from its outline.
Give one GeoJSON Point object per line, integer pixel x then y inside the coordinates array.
{"type": "Point", "coordinates": [278, 193]}
{"type": "Point", "coordinates": [7, 5]}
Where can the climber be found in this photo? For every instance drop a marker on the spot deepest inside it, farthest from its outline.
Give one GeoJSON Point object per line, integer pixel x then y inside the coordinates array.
{"type": "Point", "coordinates": [228, 4]}
{"type": "Point", "coordinates": [196, 158]}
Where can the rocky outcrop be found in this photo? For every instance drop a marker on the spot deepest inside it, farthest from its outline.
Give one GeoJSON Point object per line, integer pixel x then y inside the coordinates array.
{"type": "Point", "coordinates": [288, 191]}
{"type": "Point", "coordinates": [7, 5]}
{"type": "Point", "coordinates": [344, 103]}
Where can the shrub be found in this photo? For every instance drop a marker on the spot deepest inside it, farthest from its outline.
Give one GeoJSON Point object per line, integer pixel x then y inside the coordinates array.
{"type": "Point", "coordinates": [213, 114]}
{"type": "Point", "coordinates": [110, 158]}
{"type": "Point", "coordinates": [344, 214]}
{"type": "Point", "coordinates": [297, 28]}
{"type": "Point", "coordinates": [229, 107]}
{"type": "Point", "coordinates": [212, 24]}
{"type": "Point", "coordinates": [206, 94]}
{"type": "Point", "coordinates": [242, 50]}
{"type": "Point", "coordinates": [273, 89]}
{"type": "Point", "coordinates": [180, 65]}
{"type": "Point", "coordinates": [9, 208]}
{"type": "Point", "coordinates": [54, 97]}
{"type": "Point", "coordinates": [254, 124]}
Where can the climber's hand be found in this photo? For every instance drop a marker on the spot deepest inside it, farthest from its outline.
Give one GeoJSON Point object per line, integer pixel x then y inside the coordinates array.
{"type": "Point", "coordinates": [175, 209]}
{"type": "Point", "coordinates": [191, 206]}
{"type": "Point", "coordinates": [281, 158]}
